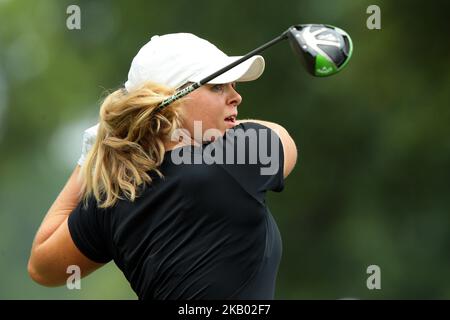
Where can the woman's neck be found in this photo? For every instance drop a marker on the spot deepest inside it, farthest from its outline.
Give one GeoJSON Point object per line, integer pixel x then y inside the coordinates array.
{"type": "Point", "coordinates": [170, 145]}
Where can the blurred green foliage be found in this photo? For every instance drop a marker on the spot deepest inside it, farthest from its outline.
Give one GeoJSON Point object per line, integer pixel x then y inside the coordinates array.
{"type": "Point", "coordinates": [372, 185]}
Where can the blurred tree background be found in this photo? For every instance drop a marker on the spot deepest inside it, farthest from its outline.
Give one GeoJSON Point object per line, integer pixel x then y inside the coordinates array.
{"type": "Point", "coordinates": [372, 185]}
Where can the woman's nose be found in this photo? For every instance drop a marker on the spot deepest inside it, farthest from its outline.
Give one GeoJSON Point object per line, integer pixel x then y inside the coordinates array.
{"type": "Point", "coordinates": [234, 97]}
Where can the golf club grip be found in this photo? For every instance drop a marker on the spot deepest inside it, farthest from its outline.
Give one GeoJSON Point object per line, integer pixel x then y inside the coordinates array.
{"type": "Point", "coordinates": [180, 94]}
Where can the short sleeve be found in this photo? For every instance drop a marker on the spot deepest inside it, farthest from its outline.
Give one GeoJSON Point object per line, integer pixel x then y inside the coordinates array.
{"type": "Point", "coordinates": [257, 160]}
{"type": "Point", "coordinates": [88, 233]}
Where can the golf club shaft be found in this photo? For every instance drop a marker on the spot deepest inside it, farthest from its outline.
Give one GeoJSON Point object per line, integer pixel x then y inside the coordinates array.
{"type": "Point", "coordinates": [244, 58]}
{"type": "Point", "coordinates": [196, 85]}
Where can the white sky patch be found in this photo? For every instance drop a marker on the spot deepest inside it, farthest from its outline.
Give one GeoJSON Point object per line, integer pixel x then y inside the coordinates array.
{"type": "Point", "coordinates": [27, 57]}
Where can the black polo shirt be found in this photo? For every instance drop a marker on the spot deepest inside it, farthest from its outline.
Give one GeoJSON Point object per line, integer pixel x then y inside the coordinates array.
{"type": "Point", "coordinates": [204, 231]}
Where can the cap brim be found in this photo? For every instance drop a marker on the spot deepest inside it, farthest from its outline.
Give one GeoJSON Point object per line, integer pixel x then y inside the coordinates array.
{"type": "Point", "coordinates": [248, 70]}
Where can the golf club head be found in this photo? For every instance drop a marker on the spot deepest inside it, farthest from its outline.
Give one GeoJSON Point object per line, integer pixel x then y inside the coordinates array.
{"type": "Point", "coordinates": [325, 50]}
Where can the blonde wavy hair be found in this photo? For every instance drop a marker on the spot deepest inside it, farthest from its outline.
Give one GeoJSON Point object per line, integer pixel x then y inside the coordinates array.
{"type": "Point", "coordinates": [130, 143]}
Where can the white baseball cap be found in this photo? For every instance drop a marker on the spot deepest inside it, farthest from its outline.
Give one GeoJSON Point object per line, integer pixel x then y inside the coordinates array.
{"type": "Point", "coordinates": [177, 58]}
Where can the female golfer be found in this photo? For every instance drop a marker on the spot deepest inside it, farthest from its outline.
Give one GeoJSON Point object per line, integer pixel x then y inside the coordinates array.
{"type": "Point", "coordinates": [174, 195]}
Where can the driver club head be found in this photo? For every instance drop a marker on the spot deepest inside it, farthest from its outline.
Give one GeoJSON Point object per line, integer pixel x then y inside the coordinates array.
{"type": "Point", "coordinates": [325, 49]}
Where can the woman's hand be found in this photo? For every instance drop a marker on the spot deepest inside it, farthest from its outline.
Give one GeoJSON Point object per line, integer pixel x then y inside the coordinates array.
{"type": "Point", "coordinates": [89, 137]}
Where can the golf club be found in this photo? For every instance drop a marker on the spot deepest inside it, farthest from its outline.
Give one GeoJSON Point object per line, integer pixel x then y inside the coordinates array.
{"type": "Point", "coordinates": [324, 51]}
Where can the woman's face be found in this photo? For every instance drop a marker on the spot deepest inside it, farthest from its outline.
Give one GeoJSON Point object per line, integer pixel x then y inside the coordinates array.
{"type": "Point", "coordinates": [215, 105]}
